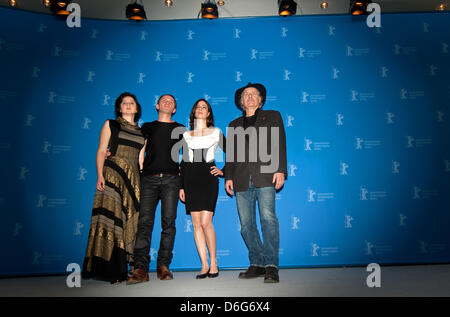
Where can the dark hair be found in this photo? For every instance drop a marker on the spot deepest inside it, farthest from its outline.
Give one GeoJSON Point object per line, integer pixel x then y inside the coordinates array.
{"type": "Point", "coordinates": [119, 100]}
{"type": "Point", "coordinates": [159, 99]}
{"type": "Point", "coordinates": [209, 120]}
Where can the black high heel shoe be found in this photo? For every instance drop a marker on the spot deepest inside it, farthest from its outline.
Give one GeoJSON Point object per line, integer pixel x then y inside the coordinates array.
{"type": "Point", "coordinates": [213, 275]}
{"type": "Point", "coordinates": [201, 276]}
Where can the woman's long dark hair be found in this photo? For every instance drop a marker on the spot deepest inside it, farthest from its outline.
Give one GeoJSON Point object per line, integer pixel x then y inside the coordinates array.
{"type": "Point", "coordinates": [209, 120]}
{"type": "Point", "coordinates": [119, 100]}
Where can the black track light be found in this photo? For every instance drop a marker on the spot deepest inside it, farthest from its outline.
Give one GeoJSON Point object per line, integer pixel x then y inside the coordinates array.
{"type": "Point", "coordinates": [359, 7]}
{"type": "Point", "coordinates": [135, 11]}
{"type": "Point", "coordinates": [209, 10]}
{"type": "Point", "coordinates": [287, 7]}
{"type": "Point", "coordinates": [59, 7]}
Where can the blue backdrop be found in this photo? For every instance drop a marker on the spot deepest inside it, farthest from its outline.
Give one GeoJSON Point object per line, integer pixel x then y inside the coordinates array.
{"type": "Point", "coordinates": [366, 112]}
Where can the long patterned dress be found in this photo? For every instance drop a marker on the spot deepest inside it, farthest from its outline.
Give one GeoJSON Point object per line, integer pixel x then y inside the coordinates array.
{"type": "Point", "coordinates": [115, 212]}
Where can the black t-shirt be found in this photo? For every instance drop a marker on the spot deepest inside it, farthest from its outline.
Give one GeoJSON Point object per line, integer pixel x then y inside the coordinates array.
{"type": "Point", "coordinates": [161, 138]}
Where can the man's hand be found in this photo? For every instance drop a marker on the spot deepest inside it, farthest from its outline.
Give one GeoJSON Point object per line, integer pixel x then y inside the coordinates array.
{"type": "Point", "coordinates": [278, 180]}
{"type": "Point", "coordinates": [229, 187]}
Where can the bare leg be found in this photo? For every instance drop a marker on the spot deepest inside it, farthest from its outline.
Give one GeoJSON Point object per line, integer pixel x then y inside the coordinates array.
{"type": "Point", "coordinates": [208, 229]}
{"type": "Point", "coordinates": [199, 237]}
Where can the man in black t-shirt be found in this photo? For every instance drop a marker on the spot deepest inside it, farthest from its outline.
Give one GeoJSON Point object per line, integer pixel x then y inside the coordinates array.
{"type": "Point", "coordinates": [160, 180]}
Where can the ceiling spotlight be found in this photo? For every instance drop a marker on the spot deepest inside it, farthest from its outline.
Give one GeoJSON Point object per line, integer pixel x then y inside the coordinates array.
{"type": "Point", "coordinates": [220, 3]}
{"type": "Point", "coordinates": [209, 10]}
{"type": "Point", "coordinates": [359, 7]}
{"type": "Point", "coordinates": [59, 7]}
{"type": "Point", "coordinates": [287, 7]}
{"type": "Point", "coordinates": [324, 5]}
{"type": "Point", "coordinates": [46, 3]}
{"type": "Point", "coordinates": [168, 3]}
{"type": "Point", "coordinates": [135, 11]}
{"type": "Point", "coordinates": [12, 3]}
{"type": "Point", "coordinates": [441, 7]}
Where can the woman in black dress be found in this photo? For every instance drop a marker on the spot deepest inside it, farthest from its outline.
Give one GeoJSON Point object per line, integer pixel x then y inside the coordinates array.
{"type": "Point", "coordinates": [200, 181]}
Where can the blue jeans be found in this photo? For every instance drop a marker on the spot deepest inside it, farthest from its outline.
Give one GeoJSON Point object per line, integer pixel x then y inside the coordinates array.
{"type": "Point", "coordinates": [265, 253]}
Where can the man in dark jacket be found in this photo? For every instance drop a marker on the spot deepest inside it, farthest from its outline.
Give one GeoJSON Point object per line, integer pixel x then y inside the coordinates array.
{"type": "Point", "coordinates": [256, 166]}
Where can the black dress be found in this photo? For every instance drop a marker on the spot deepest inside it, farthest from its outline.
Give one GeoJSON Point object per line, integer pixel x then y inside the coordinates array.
{"type": "Point", "coordinates": [200, 186]}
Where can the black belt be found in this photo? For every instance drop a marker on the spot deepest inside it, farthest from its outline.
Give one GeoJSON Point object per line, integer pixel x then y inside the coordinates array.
{"type": "Point", "coordinates": [163, 175]}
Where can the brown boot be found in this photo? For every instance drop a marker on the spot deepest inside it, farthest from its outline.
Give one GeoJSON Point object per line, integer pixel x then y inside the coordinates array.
{"type": "Point", "coordinates": [139, 276]}
{"type": "Point", "coordinates": [163, 273]}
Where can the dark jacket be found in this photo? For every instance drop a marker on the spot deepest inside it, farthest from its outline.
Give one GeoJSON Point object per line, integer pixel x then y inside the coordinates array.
{"type": "Point", "coordinates": [239, 172]}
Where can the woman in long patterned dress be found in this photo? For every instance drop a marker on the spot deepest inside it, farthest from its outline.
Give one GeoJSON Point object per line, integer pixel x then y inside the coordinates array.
{"type": "Point", "coordinates": [115, 211]}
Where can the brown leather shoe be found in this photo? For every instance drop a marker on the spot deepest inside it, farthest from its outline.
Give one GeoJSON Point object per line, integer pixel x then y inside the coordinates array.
{"type": "Point", "coordinates": [139, 276]}
{"type": "Point", "coordinates": [163, 273]}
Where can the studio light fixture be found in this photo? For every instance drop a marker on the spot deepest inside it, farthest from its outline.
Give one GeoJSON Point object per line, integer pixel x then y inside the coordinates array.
{"type": "Point", "coordinates": [46, 3]}
{"type": "Point", "coordinates": [209, 10]}
{"type": "Point", "coordinates": [135, 11]}
{"type": "Point", "coordinates": [13, 3]}
{"type": "Point", "coordinates": [359, 7]}
{"type": "Point", "coordinates": [287, 7]}
{"type": "Point", "coordinates": [441, 7]}
{"type": "Point", "coordinates": [220, 3]}
{"type": "Point", "coordinates": [59, 7]}
{"type": "Point", "coordinates": [324, 5]}
{"type": "Point", "coordinates": [168, 3]}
